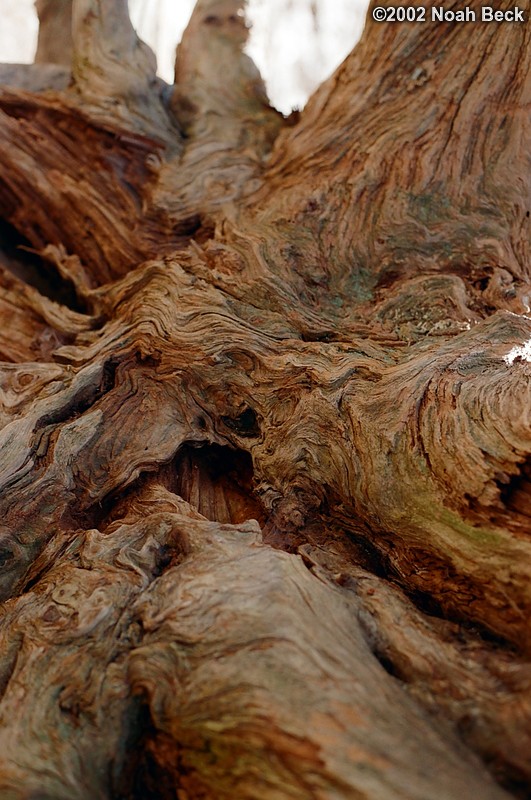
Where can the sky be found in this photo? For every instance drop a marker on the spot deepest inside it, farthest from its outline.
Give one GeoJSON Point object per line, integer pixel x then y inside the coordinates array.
{"type": "Point", "coordinates": [295, 43]}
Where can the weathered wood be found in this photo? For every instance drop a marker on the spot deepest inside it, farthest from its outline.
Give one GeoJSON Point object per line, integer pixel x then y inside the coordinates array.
{"type": "Point", "coordinates": [265, 443]}
{"type": "Point", "coordinates": [33, 77]}
{"type": "Point", "coordinates": [54, 45]}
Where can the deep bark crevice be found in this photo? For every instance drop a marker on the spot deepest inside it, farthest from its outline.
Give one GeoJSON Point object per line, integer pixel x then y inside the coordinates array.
{"type": "Point", "coordinates": [27, 265]}
{"type": "Point", "coordinates": [515, 491]}
{"type": "Point", "coordinates": [217, 481]}
{"type": "Point", "coordinates": [140, 776]}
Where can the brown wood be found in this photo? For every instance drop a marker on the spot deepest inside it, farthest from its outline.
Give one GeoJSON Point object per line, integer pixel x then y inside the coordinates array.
{"type": "Point", "coordinates": [265, 449]}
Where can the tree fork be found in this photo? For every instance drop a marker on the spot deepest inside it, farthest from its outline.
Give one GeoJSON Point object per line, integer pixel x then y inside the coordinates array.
{"type": "Point", "coordinates": [265, 418]}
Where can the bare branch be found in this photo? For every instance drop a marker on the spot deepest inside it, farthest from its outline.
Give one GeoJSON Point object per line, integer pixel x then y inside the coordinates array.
{"type": "Point", "coordinates": [426, 165]}
{"type": "Point", "coordinates": [221, 105]}
{"type": "Point", "coordinates": [114, 70]}
{"type": "Point", "coordinates": [207, 96]}
{"type": "Point", "coordinates": [24, 119]}
{"type": "Point", "coordinates": [35, 77]}
{"type": "Point", "coordinates": [54, 45]}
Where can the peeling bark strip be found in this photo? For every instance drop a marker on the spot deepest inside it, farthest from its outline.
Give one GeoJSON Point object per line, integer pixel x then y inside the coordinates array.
{"type": "Point", "coordinates": [265, 441]}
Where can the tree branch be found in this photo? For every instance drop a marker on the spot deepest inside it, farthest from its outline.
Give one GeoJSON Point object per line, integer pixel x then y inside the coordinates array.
{"type": "Point", "coordinates": [54, 45]}
{"type": "Point", "coordinates": [95, 224]}
{"type": "Point", "coordinates": [115, 71]}
{"type": "Point", "coordinates": [35, 77]}
{"type": "Point", "coordinates": [424, 147]}
{"type": "Point", "coordinates": [214, 102]}
{"type": "Point", "coordinates": [221, 105]}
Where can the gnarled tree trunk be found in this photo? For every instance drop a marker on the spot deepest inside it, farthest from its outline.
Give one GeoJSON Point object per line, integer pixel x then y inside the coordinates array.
{"type": "Point", "coordinates": [265, 445]}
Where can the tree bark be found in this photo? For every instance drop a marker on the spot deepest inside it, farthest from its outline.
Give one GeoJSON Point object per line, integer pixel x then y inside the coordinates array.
{"type": "Point", "coordinates": [265, 444]}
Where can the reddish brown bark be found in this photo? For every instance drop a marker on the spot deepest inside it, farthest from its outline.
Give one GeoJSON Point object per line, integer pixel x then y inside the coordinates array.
{"type": "Point", "coordinates": [265, 461]}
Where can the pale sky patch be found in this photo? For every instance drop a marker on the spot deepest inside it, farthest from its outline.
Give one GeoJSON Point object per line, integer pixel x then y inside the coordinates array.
{"type": "Point", "coordinates": [296, 44]}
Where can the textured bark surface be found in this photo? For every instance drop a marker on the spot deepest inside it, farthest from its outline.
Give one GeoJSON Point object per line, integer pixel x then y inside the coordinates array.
{"type": "Point", "coordinates": [265, 427]}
